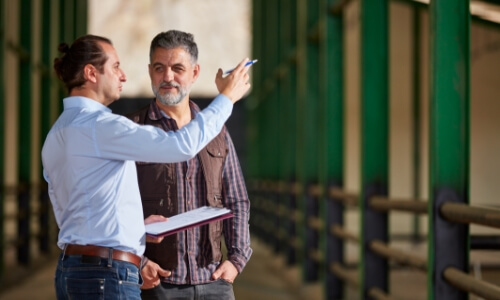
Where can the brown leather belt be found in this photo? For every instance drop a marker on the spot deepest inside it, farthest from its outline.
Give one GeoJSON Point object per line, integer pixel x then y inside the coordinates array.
{"type": "Point", "coordinates": [103, 252]}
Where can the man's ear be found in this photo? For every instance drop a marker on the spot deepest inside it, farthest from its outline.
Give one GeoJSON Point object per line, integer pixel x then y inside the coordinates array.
{"type": "Point", "coordinates": [196, 72]}
{"type": "Point", "coordinates": [90, 73]}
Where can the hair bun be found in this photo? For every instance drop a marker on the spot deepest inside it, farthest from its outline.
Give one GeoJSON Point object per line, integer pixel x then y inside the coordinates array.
{"type": "Point", "coordinates": [63, 48]}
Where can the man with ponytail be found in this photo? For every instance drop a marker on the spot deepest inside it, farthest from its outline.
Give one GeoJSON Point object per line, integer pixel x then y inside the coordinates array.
{"type": "Point", "coordinates": [89, 163]}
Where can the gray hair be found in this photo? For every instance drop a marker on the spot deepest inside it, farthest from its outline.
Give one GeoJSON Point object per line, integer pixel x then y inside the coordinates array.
{"type": "Point", "coordinates": [175, 39]}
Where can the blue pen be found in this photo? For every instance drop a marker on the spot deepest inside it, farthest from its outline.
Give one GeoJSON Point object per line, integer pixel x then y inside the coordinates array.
{"type": "Point", "coordinates": [251, 62]}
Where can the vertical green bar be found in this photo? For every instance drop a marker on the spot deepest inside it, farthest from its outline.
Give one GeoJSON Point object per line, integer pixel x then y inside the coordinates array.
{"type": "Point", "coordinates": [252, 163]}
{"type": "Point", "coordinates": [272, 116]}
{"type": "Point", "coordinates": [46, 122]}
{"type": "Point", "coordinates": [255, 106]}
{"type": "Point", "coordinates": [291, 83]}
{"type": "Point", "coordinates": [80, 19]}
{"type": "Point", "coordinates": [301, 96]}
{"type": "Point", "coordinates": [449, 141]}
{"type": "Point", "coordinates": [335, 98]}
{"type": "Point", "coordinates": [311, 131]}
{"type": "Point", "coordinates": [47, 59]}
{"type": "Point", "coordinates": [288, 59]}
{"type": "Point", "coordinates": [24, 138]}
{"type": "Point", "coordinates": [270, 128]}
{"type": "Point", "coordinates": [66, 29]}
{"type": "Point", "coordinates": [334, 159]}
{"type": "Point", "coordinates": [287, 112]}
{"type": "Point", "coordinates": [374, 139]}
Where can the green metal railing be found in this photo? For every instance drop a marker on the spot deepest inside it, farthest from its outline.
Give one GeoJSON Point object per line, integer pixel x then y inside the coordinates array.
{"type": "Point", "coordinates": [302, 205]}
{"type": "Point", "coordinates": [34, 51]}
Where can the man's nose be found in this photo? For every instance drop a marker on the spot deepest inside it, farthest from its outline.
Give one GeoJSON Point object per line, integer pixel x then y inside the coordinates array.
{"type": "Point", "coordinates": [168, 75]}
{"type": "Point", "coordinates": [123, 77]}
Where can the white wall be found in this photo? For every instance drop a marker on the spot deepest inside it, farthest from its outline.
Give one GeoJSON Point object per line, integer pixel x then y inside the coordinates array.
{"type": "Point", "coordinates": [221, 28]}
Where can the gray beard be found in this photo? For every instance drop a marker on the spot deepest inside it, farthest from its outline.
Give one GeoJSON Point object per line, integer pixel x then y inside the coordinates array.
{"type": "Point", "coordinates": [170, 99]}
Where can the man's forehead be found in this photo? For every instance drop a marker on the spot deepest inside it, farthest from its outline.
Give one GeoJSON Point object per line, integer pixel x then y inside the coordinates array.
{"type": "Point", "coordinates": [110, 51]}
{"type": "Point", "coordinates": [178, 55]}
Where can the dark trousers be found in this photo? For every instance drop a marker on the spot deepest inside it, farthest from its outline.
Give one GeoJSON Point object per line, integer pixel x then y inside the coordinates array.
{"type": "Point", "coordinates": [217, 290]}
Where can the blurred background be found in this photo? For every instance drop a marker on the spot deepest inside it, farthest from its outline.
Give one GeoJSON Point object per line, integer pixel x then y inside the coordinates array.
{"type": "Point", "coordinates": [352, 101]}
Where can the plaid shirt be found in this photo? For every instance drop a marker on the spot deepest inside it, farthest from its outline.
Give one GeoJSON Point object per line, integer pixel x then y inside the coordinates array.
{"type": "Point", "coordinates": [191, 192]}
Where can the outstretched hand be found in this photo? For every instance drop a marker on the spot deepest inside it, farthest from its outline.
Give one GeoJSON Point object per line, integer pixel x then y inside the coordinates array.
{"type": "Point", "coordinates": [235, 84]}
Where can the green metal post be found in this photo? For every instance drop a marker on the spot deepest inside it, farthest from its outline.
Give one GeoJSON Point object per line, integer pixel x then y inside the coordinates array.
{"type": "Point", "coordinates": [301, 94]}
{"type": "Point", "coordinates": [272, 115]}
{"type": "Point", "coordinates": [67, 20]}
{"type": "Point", "coordinates": [374, 139]}
{"type": "Point", "coordinates": [256, 106]}
{"type": "Point", "coordinates": [334, 149]}
{"type": "Point", "coordinates": [80, 13]}
{"type": "Point", "coordinates": [253, 164]}
{"type": "Point", "coordinates": [313, 130]}
{"type": "Point", "coordinates": [288, 77]}
{"type": "Point", "coordinates": [46, 108]}
{"type": "Point", "coordinates": [449, 141]}
{"type": "Point", "coordinates": [66, 29]}
{"type": "Point", "coordinates": [24, 138]}
{"type": "Point", "coordinates": [309, 130]}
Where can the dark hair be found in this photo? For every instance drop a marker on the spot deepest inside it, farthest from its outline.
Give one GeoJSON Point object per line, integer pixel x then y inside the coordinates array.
{"type": "Point", "coordinates": [175, 39]}
{"type": "Point", "coordinates": [84, 50]}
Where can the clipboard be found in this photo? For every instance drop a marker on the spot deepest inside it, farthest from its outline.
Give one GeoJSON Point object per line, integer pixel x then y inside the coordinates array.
{"type": "Point", "coordinates": [193, 218]}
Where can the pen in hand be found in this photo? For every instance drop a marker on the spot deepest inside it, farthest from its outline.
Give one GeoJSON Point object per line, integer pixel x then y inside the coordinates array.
{"type": "Point", "coordinates": [251, 62]}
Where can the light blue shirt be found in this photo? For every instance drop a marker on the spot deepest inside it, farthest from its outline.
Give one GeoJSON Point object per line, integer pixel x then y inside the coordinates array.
{"type": "Point", "coordinates": [88, 161]}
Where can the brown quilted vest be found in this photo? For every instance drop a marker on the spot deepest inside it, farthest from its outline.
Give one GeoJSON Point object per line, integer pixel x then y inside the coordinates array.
{"type": "Point", "coordinates": [158, 187]}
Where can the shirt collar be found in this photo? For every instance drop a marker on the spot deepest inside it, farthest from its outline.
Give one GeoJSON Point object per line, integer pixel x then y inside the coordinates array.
{"type": "Point", "coordinates": [155, 113]}
{"type": "Point", "coordinates": [83, 102]}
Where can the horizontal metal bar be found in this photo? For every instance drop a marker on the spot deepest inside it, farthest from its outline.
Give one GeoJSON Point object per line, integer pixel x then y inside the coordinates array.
{"type": "Point", "coordinates": [378, 294]}
{"type": "Point", "coordinates": [399, 256]}
{"type": "Point", "coordinates": [340, 195]}
{"type": "Point", "coordinates": [465, 282]}
{"type": "Point", "coordinates": [381, 203]}
{"type": "Point", "coordinates": [463, 213]}
{"type": "Point", "coordinates": [479, 10]}
{"type": "Point", "coordinates": [282, 210]}
{"type": "Point", "coordinates": [344, 275]}
{"type": "Point", "coordinates": [295, 242]}
{"type": "Point", "coordinates": [337, 8]}
{"type": "Point", "coordinates": [315, 223]}
{"type": "Point", "coordinates": [296, 188]}
{"type": "Point", "coordinates": [484, 242]}
{"type": "Point", "coordinates": [23, 187]}
{"type": "Point", "coordinates": [341, 233]}
{"type": "Point", "coordinates": [296, 215]}
{"type": "Point", "coordinates": [316, 255]}
{"type": "Point", "coordinates": [315, 190]}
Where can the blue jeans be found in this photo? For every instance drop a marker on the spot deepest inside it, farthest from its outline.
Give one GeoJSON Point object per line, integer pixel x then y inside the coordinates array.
{"type": "Point", "coordinates": [90, 277]}
{"type": "Point", "coordinates": [216, 290]}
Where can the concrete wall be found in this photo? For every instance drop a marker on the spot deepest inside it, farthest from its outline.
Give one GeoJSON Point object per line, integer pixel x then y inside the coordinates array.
{"type": "Point", "coordinates": [221, 29]}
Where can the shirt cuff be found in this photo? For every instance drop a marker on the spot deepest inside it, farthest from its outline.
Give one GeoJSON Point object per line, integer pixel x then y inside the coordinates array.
{"type": "Point", "coordinates": [238, 262]}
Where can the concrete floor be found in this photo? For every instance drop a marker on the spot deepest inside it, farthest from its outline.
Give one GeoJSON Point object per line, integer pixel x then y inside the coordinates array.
{"type": "Point", "coordinates": [263, 278]}
{"type": "Point", "coordinates": [266, 277]}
